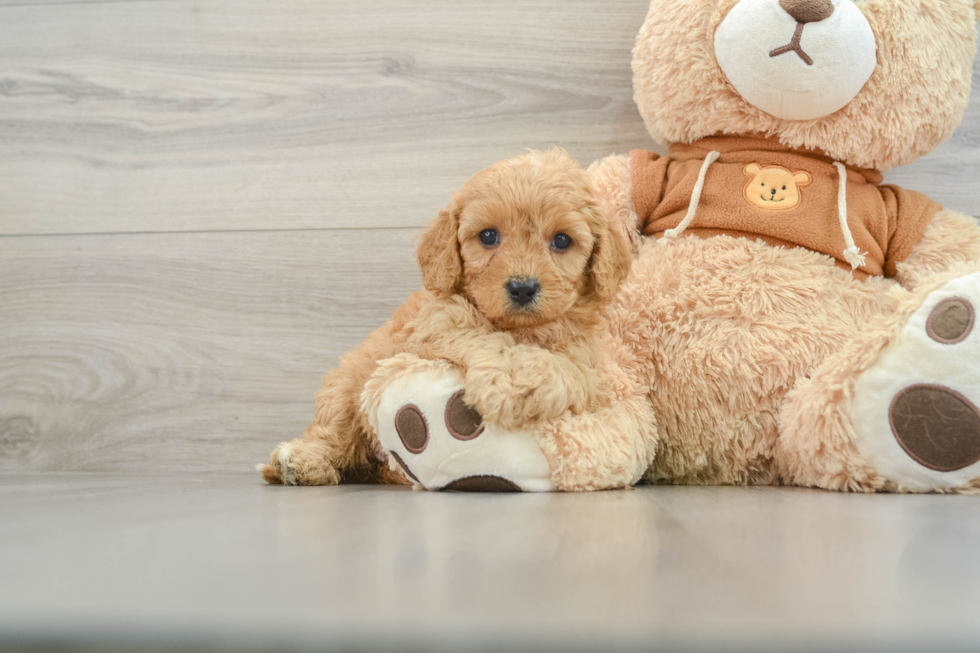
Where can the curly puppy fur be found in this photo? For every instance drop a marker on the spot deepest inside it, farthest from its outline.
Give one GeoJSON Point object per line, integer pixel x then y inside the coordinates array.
{"type": "Point", "coordinates": [521, 364]}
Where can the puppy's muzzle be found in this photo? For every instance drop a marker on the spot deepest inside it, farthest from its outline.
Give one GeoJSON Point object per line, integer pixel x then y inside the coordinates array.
{"type": "Point", "coordinates": [522, 290]}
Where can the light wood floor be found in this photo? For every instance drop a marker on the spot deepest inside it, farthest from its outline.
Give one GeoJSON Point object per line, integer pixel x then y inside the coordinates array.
{"type": "Point", "coordinates": [195, 563]}
{"type": "Point", "coordinates": [203, 203]}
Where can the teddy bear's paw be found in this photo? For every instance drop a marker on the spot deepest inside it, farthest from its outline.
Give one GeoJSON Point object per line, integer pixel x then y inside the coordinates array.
{"type": "Point", "coordinates": [916, 414]}
{"type": "Point", "coordinates": [440, 443]}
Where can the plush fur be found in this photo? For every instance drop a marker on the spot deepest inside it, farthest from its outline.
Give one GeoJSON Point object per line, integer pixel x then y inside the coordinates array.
{"type": "Point", "coordinates": [752, 352]}
{"type": "Point", "coordinates": [913, 101]}
{"type": "Point", "coordinates": [522, 365]}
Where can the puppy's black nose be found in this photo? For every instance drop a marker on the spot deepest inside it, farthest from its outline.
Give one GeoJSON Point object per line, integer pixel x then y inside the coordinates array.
{"type": "Point", "coordinates": [522, 290]}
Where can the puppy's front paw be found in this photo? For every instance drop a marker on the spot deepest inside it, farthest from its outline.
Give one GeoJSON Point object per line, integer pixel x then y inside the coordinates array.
{"type": "Point", "coordinates": [298, 463]}
{"type": "Point", "coordinates": [528, 387]}
{"type": "Point", "coordinates": [546, 388]}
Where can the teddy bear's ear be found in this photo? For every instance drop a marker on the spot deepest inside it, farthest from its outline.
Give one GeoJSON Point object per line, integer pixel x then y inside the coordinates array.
{"type": "Point", "coordinates": [752, 169]}
{"type": "Point", "coordinates": [438, 251]}
{"type": "Point", "coordinates": [802, 178]}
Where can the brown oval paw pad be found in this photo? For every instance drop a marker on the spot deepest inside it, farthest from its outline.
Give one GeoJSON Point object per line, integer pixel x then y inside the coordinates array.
{"type": "Point", "coordinates": [938, 427]}
{"type": "Point", "coordinates": [482, 484]}
{"type": "Point", "coordinates": [462, 421]}
{"type": "Point", "coordinates": [951, 321]}
{"type": "Point", "coordinates": [412, 428]}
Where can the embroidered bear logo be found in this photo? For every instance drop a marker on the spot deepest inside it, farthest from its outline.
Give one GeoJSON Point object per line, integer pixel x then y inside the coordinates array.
{"type": "Point", "coordinates": [774, 188]}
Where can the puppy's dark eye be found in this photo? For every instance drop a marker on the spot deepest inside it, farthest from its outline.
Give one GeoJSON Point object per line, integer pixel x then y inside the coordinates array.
{"type": "Point", "coordinates": [489, 238]}
{"type": "Point", "coordinates": [561, 242]}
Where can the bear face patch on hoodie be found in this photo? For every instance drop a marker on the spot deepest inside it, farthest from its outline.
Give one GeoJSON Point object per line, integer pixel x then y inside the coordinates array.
{"type": "Point", "coordinates": [757, 188]}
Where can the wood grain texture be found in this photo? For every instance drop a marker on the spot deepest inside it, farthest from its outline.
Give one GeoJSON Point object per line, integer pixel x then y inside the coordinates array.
{"type": "Point", "coordinates": [174, 116]}
{"type": "Point", "coordinates": [180, 351]}
{"type": "Point", "coordinates": [208, 115]}
{"type": "Point", "coordinates": [203, 203]}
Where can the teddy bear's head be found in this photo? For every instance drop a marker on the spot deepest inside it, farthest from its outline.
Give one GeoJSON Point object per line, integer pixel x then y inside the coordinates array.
{"type": "Point", "coordinates": [873, 83]}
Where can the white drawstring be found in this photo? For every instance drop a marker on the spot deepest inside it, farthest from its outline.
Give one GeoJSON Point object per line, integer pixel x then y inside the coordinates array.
{"type": "Point", "coordinates": [692, 208]}
{"type": "Point", "coordinates": [852, 254]}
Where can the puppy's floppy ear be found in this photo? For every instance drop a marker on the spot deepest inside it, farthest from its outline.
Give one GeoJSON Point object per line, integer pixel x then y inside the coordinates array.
{"type": "Point", "coordinates": [610, 262]}
{"type": "Point", "coordinates": [438, 251]}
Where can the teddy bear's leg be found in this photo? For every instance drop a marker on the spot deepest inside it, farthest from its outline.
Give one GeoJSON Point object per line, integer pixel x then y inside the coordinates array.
{"type": "Point", "coordinates": [428, 432]}
{"type": "Point", "coordinates": [897, 408]}
{"type": "Point", "coordinates": [816, 444]}
{"type": "Point", "coordinates": [610, 448]}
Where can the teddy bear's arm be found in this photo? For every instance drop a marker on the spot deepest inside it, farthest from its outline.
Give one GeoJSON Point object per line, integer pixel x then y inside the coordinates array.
{"type": "Point", "coordinates": [909, 214]}
{"type": "Point", "coordinates": [613, 184]}
{"type": "Point", "coordinates": [951, 240]}
{"type": "Point", "coordinates": [609, 448]}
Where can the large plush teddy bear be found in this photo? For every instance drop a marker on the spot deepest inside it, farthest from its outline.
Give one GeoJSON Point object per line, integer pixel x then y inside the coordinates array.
{"type": "Point", "coordinates": [789, 318]}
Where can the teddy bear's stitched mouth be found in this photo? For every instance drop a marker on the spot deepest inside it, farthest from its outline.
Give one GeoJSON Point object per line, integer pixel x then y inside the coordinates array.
{"type": "Point", "coordinates": [771, 200]}
{"type": "Point", "coordinates": [794, 46]}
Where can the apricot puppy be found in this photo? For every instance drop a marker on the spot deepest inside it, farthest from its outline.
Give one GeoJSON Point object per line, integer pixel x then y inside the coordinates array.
{"type": "Point", "coordinates": [516, 269]}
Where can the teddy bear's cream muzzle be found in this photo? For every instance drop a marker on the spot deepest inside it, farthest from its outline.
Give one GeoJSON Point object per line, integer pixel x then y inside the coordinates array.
{"type": "Point", "coordinates": [794, 64]}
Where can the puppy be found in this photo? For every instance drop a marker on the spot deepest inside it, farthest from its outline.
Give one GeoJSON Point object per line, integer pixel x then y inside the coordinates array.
{"type": "Point", "coordinates": [516, 271]}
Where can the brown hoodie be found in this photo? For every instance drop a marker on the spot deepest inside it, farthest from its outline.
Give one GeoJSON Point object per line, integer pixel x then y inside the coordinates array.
{"type": "Point", "coordinates": [761, 189]}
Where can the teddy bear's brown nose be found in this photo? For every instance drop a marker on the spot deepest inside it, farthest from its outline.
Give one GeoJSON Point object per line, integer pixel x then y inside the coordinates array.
{"type": "Point", "coordinates": [808, 11]}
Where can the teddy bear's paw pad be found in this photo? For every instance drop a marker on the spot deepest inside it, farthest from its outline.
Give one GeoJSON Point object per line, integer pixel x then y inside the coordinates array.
{"type": "Point", "coordinates": [482, 484]}
{"type": "Point", "coordinates": [462, 421]}
{"type": "Point", "coordinates": [938, 427]}
{"type": "Point", "coordinates": [915, 411]}
{"type": "Point", "coordinates": [951, 321]}
{"type": "Point", "coordinates": [440, 443]}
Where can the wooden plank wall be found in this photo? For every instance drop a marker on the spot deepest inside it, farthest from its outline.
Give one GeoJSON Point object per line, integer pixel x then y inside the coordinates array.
{"type": "Point", "coordinates": [203, 203]}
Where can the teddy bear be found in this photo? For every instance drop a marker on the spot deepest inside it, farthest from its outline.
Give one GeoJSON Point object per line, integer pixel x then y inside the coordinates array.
{"type": "Point", "coordinates": [790, 318]}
